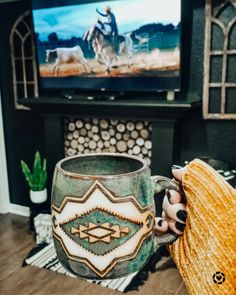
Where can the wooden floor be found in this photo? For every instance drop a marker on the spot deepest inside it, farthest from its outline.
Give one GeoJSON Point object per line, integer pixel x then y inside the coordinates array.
{"type": "Point", "coordinates": [16, 242]}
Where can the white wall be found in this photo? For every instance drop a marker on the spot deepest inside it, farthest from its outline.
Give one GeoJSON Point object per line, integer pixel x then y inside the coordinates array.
{"type": "Point", "coordinates": [4, 190]}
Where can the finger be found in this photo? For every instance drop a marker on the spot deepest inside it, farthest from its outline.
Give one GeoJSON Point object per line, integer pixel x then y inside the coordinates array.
{"type": "Point", "coordinates": [161, 226]}
{"type": "Point", "coordinates": [179, 173]}
{"type": "Point", "coordinates": [175, 211]}
{"type": "Point", "coordinates": [173, 196]}
{"type": "Point", "coordinates": [163, 215]}
{"type": "Point", "coordinates": [176, 227]}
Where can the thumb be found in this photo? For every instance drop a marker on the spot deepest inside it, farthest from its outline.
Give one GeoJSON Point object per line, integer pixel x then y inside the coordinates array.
{"type": "Point", "coordinates": [179, 173]}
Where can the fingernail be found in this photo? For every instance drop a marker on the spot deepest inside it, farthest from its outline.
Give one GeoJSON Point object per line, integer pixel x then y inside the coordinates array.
{"type": "Point", "coordinates": [160, 222]}
{"type": "Point", "coordinates": [182, 215]}
{"type": "Point", "coordinates": [176, 167]}
{"type": "Point", "coordinates": [180, 226]}
{"type": "Point", "coordinates": [168, 196]}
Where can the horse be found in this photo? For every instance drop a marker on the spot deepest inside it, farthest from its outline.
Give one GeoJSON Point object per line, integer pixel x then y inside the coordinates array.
{"type": "Point", "coordinates": [126, 46]}
{"type": "Point", "coordinates": [104, 48]}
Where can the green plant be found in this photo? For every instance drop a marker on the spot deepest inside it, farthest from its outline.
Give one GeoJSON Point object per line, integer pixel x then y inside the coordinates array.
{"type": "Point", "coordinates": [36, 179]}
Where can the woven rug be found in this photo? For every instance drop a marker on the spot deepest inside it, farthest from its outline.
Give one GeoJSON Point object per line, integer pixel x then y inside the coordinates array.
{"type": "Point", "coordinates": [44, 256]}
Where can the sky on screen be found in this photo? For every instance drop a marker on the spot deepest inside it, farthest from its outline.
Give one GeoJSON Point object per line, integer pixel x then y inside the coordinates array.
{"type": "Point", "coordinates": [68, 21]}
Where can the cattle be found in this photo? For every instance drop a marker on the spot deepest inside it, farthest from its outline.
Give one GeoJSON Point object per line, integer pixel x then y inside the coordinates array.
{"type": "Point", "coordinates": [64, 55]}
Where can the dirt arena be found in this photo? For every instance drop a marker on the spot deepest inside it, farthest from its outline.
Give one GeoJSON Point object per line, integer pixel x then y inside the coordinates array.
{"type": "Point", "coordinates": [142, 64]}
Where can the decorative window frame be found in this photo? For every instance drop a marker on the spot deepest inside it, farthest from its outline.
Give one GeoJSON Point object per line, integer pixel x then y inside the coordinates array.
{"type": "Point", "coordinates": [23, 21]}
{"type": "Point", "coordinates": [210, 18]}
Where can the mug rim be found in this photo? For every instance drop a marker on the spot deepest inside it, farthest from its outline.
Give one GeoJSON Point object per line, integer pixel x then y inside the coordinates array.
{"type": "Point", "coordinates": [96, 177]}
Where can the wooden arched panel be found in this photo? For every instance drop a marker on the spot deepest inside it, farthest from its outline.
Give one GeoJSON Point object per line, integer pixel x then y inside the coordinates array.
{"type": "Point", "coordinates": [24, 71]}
{"type": "Point", "coordinates": [219, 93]}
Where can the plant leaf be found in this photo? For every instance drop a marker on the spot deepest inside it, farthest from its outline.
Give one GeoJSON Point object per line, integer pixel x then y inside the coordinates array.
{"type": "Point", "coordinates": [38, 177]}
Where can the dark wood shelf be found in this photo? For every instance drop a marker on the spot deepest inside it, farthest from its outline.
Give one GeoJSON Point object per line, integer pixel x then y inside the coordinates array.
{"type": "Point", "coordinates": [128, 108]}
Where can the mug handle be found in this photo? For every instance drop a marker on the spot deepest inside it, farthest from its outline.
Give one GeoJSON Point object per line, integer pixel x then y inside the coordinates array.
{"type": "Point", "coordinates": [161, 183]}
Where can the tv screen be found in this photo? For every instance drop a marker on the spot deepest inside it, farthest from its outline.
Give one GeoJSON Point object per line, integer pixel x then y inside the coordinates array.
{"type": "Point", "coordinates": [118, 45]}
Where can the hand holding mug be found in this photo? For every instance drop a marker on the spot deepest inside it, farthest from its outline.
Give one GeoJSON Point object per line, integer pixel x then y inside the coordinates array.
{"type": "Point", "coordinates": [174, 209]}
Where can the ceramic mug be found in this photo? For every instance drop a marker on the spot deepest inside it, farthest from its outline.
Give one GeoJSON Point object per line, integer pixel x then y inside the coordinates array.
{"type": "Point", "coordinates": [103, 214]}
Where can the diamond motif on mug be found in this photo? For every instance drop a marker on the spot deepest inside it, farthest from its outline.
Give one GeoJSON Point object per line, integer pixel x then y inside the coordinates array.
{"type": "Point", "coordinates": [101, 232]}
{"type": "Point", "coordinates": [86, 236]}
{"type": "Point", "coordinates": [100, 216]}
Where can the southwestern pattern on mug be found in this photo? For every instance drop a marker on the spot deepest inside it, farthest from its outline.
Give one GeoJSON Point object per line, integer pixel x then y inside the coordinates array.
{"type": "Point", "coordinates": [100, 229]}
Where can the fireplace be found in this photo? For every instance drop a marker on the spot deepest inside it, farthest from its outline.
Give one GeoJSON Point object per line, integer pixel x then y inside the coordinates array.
{"type": "Point", "coordinates": [143, 127]}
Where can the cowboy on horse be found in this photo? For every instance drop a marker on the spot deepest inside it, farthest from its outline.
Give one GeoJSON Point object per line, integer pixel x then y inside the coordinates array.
{"type": "Point", "coordinates": [112, 25]}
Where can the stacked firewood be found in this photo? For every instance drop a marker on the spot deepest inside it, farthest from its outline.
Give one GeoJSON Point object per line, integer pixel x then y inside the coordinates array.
{"type": "Point", "coordinates": [116, 136]}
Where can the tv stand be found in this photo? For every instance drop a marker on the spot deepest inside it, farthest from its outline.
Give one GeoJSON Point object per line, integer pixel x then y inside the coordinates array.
{"type": "Point", "coordinates": [170, 95]}
{"type": "Point", "coordinates": [102, 96]}
{"type": "Point", "coordinates": [68, 94]}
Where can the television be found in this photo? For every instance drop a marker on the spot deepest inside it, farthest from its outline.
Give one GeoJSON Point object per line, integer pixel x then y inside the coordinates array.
{"type": "Point", "coordinates": [113, 46]}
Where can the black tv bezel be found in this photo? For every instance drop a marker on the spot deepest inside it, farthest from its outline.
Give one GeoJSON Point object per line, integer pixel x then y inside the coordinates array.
{"type": "Point", "coordinates": [109, 85]}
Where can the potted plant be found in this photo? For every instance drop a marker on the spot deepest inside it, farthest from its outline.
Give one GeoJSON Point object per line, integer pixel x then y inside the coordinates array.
{"type": "Point", "coordinates": [36, 179]}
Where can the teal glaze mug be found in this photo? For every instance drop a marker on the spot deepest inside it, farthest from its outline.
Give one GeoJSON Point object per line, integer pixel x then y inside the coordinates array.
{"type": "Point", "coordinates": [103, 214]}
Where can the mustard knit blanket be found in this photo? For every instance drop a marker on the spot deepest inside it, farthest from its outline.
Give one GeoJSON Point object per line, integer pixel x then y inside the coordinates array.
{"type": "Point", "coordinates": [206, 253]}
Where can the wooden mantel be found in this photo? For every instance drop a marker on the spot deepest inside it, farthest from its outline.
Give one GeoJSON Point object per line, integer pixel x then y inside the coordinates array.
{"type": "Point", "coordinates": [150, 109]}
